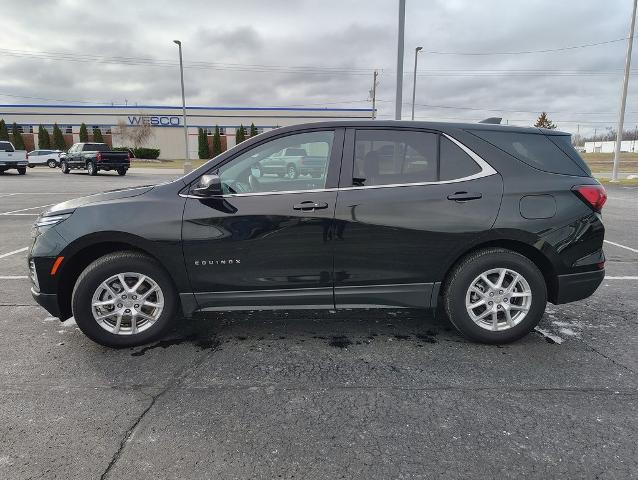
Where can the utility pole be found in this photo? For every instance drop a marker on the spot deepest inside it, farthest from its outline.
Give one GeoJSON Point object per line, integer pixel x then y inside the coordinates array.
{"type": "Point", "coordinates": [188, 167]}
{"type": "Point", "coordinates": [401, 33]}
{"type": "Point", "coordinates": [623, 95]}
{"type": "Point", "coordinates": [373, 94]}
{"type": "Point", "coordinates": [416, 56]}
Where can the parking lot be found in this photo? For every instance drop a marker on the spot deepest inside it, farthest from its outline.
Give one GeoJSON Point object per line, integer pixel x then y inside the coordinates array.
{"type": "Point", "coordinates": [355, 394]}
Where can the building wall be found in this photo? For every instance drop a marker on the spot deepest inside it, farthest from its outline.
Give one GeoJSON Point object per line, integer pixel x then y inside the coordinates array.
{"type": "Point", "coordinates": [166, 121]}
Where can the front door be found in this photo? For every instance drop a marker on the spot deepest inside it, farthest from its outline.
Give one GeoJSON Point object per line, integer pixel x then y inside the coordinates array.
{"type": "Point", "coordinates": [409, 201]}
{"type": "Point", "coordinates": [265, 242]}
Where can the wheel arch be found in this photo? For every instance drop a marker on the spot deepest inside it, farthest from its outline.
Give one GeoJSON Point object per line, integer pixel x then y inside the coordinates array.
{"type": "Point", "coordinates": [83, 252]}
{"type": "Point", "coordinates": [540, 258]}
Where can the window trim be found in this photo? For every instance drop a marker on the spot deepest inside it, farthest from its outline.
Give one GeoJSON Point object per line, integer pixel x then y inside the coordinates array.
{"type": "Point", "coordinates": [346, 178]}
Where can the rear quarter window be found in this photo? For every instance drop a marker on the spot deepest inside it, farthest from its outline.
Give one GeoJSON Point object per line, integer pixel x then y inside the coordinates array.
{"type": "Point", "coordinates": [534, 149]}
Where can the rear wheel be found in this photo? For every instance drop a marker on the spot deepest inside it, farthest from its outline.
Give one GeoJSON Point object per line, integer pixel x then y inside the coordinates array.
{"type": "Point", "coordinates": [51, 163]}
{"type": "Point", "coordinates": [22, 170]}
{"type": "Point", "coordinates": [124, 299]}
{"type": "Point", "coordinates": [121, 171]}
{"type": "Point", "coordinates": [64, 167]}
{"type": "Point", "coordinates": [91, 168]}
{"type": "Point", "coordinates": [495, 296]}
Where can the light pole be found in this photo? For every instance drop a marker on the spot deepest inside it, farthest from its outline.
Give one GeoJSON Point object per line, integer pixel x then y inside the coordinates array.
{"type": "Point", "coordinates": [187, 162]}
{"type": "Point", "coordinates": [416, 57]}
{"type": "Point", "coordinates": [399, 93]}
{"type": "Point", "coordinates": [623, 96]}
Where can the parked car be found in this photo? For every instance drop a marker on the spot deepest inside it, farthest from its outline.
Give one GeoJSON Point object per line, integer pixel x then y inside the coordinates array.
{"type": "Point", "coordinates": [94, 157]}
{"type": "Point", "coordinates": [490, 222]}
{"type": "Point", "coordinates": [293, 162]}
{"type": "Point", "coordinates": [51, 158]}
{"type": "Point", "coordinates": [12, 158]}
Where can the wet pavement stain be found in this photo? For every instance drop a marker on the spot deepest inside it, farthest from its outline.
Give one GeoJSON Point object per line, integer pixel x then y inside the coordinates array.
{"type": "Point", "coordinates": [201, 343]}
{"type": "Point", "coordinates": [340, 342]}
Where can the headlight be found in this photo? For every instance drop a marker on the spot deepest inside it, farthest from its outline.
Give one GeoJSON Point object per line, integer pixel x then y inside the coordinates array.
{"type": "Point", "coordinates": [51, 220]}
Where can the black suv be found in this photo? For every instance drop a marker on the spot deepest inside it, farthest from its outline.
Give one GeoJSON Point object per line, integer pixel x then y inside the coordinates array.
{"type": "Point", "coordinates": [487, 220]}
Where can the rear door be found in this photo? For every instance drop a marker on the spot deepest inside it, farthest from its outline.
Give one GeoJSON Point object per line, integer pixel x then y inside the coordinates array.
{"type": "Point", "coordinates": [409, 201]}
{"type": "Point", "coordinates": [266, 241]}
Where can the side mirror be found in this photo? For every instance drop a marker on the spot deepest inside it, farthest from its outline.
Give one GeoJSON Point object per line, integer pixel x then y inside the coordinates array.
{"type": "Point", "coordinates": [208, 186]}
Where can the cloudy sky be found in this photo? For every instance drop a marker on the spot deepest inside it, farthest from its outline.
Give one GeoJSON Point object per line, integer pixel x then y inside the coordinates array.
{"type": "Point", "coordinates": [323, 53]}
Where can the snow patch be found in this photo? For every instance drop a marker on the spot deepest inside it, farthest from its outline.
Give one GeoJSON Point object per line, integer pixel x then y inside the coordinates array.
{"type": "Point", "coordinates": [551, 336]}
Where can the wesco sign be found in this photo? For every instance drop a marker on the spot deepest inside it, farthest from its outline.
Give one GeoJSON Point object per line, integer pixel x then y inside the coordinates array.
{"type": "Point", "coordinates": [155, 120]}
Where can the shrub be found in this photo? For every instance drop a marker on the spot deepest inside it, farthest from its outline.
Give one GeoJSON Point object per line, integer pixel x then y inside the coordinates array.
{"type": "Point", "coordinates": [97, 135]}
{"type": "Point", "coordinates": [58, 138]}
{"type": "Point", "coordinates": [84, 133]}
{"type": "Point", "coordinates": [18, 141]}
{"type": "Point", "coordinates": [4, 133]}
{"type": "Point", "coordinates": [143, 152]}
{"type": "Point", "coordinates": [217, 142]}
{"type": "Point", "coordinates": [44, 139]}
{"type": "Point", "coordinates": [202, 144]}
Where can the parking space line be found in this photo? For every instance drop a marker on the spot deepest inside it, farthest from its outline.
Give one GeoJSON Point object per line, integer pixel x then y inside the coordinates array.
{"type": "Point", "coordinates": [631, 277]}
{"type": "Point", "coordinates": [622, 246]}
{"type": "Point", "coordinates": [25, 209]}
{"type": "Point", "coordinates": [14, 252]}
{"type": "Point", "coordinates": [13, 277]}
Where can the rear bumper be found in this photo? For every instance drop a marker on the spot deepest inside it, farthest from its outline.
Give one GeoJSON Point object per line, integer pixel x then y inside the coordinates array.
{"type": "Point", "coordinates": [16, 164]}
{"type": "Point", "coordinates": [49, 301]}
{"type": "Point", "coordinates": [576, 286]}
{"type": "Point", "coordinates": [112, 165]}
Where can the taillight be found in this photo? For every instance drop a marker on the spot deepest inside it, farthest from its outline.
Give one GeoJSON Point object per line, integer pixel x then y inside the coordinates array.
{"type": "Point", "coordinates": [129, 156]}
{"type": "Point", "coordinates": [98, 157]}
{"type": "Point", "coordinates": [27, 156]}
{"type": "Point", "coordinates": [593, 195]}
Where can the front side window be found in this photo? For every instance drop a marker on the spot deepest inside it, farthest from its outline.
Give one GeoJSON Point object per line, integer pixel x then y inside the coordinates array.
{"type": "Point", "coordinates": [385, 157]}
{"type": "Point", "coordinates": [294, 162]}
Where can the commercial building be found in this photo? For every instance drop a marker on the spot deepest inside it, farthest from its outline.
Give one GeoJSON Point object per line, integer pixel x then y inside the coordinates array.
{"type": "Point", "coordinates": [165, 121]}
{"type": "Point", "coordinates": [609, 146]}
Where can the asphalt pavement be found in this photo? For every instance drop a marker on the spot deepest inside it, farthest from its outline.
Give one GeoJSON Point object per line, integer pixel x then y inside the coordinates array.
{"type": "Point", "coordinates": [356, 394]}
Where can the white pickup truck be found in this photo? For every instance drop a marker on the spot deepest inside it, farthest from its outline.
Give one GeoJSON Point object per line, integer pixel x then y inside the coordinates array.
{"type": "Point", "coordinates": [12, 158]}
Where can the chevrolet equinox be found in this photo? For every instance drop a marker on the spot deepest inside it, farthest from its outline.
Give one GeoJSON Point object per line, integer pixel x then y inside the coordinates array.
{"type": "Point", "coordinates": [487, 221]}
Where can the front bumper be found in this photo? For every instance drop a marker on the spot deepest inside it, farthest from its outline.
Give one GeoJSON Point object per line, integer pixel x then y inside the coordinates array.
{"type": "Point", "coordinates": [576, 286]}
{"type": "Point", "coordinates": [49, 301]}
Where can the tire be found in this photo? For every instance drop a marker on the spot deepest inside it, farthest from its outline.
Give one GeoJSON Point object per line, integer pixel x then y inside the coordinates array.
{"type": "Point", "coordinates": [31, 165]}
{"type": "Point", "coordinates": [90, 287]}
{"type": "Point", "coordinates": [52, 163]}
{"type": "Point", "coordinates": [121, 171]}
{"type": "Point", "coordinates": [291, 171]}
{"type": "Point", "coordinates": [91, 169]}
{"type": "Point", "coordinates": [64, 167]}
{"type": "Point", "coordinates": [22, 170]}
{"type": "Point", "coordinates": [524, 305]}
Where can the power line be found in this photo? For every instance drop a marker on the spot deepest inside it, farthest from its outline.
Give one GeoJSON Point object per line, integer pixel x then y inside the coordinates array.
{"type": "Point", "coordinates": [525, 52]}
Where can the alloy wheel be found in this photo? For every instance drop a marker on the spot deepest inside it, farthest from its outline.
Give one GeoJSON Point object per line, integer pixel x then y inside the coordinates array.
{"type": "Point", "coordinates": [498, 299]}
{"type": "Point", "coordinates": [127, 303]}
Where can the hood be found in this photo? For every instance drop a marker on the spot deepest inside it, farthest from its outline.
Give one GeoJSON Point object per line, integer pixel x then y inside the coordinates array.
{"type": "Point", "coordinates": [120, 193]}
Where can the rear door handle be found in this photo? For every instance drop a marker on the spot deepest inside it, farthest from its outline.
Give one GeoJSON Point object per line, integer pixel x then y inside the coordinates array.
{"type": "Point", "coordinates": [309, 206]}
{"type": "Point", "coordinates": [464, 196]}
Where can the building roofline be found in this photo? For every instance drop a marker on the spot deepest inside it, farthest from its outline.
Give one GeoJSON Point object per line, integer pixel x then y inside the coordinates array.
{"type": "Point", "coordinates": [194, 107]}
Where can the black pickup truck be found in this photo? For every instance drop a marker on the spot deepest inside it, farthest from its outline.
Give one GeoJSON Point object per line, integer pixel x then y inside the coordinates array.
{"type": "Point", "coordinates": [94, 157]}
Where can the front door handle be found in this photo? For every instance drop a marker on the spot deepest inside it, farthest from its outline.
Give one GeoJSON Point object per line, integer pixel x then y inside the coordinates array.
{"type": "Point", "coordinates": [464, 196]}
{"type": "Point", "coordinates": [309, 206]}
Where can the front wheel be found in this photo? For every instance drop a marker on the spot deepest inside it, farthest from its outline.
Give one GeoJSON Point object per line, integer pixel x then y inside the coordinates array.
{"type": "Point", "coordinates": [121, 171]}
{"type": "Point", "coordinates": [22, 170]}
{"type": "Point", "coordinates": [495, 296]}
{"type": "Point", "coordinates": [124, 299]}
{"type": "Point", "coordinates": [91, 168]}
{"type": "Point", "coordinates": [64, 167]}
{"type": "Point", "coordinates": [52, 163]}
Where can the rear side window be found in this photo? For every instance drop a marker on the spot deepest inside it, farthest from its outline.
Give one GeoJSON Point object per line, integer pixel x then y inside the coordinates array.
{"type": "Point", "coordinates": [455, 163]}
{"type": "Point", "coordinates": [534, 149]}
{"type": "Point", "coordinates": [385, 157]}
{"type": "Point", "coordinates": [6, 147]}
{"type": "Point", "coordinates": [564, 142]}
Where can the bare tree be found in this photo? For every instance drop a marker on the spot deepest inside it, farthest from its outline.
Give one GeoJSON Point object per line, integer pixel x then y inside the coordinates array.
{"type": "Point", "coordinates": [135, 135]}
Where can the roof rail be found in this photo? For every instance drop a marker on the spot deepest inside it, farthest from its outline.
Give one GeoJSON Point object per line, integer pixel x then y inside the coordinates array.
{"type": "Point", "coordinates": [492, 120]}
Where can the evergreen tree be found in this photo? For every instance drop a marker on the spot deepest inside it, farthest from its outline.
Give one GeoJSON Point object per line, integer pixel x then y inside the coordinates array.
{"type": "Point", "coordinates": [217, 142]}
{"type": "Point", "coordinates": [18, 141]}
{"type": "Point", "coordinates": [543, 121]}
{"type": "Point", "coordinates": [44, 139]}
{"type": "Point", "coordinates": [203, 151]}
{"type": "Point", "coordinates": [4, 133]}
{"type": "Point", "coordinates": [240, 134]}
{"type": "Point", "coordinates": [84, 133]}
{"type": "Point", "coordinates": [253, 130]}
{"type": "Point", "coordinates": [97, 135]}
{"type": "Point", "coordinates": [58, 138]}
